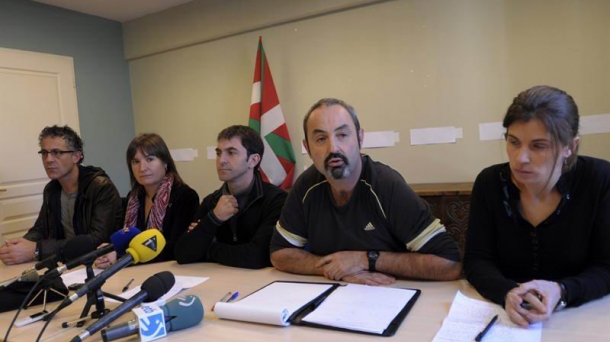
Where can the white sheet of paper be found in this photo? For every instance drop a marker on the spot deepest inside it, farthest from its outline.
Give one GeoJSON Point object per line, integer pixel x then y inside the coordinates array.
{"type": "Point", "coordinates": [467, 317]}
{"type": "Point", "coordinates": [433, 135]}
{"type": "Point", "coordinates": [182, 283]}
{"type": "Point", "coordinates": [361, 307]}
{"type": "Point", "coordinates": [271, 305]}
{"type": "Point", "coordinates": [78, 276]}
{"type": "Point", "coordinates": [211, 152]}
{"type": "Point", "coordinates": [184, 154]}
{"type": "Point", "coordinates": [459, 132]}
{"type": "Point", "coordinates": [491, 131]}
{"type": "Point", "coordinates": [380, 139]}
{"type": "Point", "coordinates": [594, 124]}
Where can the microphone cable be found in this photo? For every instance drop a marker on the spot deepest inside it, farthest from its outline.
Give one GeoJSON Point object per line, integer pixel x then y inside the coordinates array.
{"type": "Point", "coordinates": [21, 307]}
{"type": "Point", "coordinates": [77, 243]}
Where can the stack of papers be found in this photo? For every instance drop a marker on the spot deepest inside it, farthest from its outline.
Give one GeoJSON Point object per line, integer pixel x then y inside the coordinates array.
{"type": "Point", "coordinates": [353, 307]}
{"type": "Point", "coordinates": [467, 317]}
{"type": "Point", "coordinates": [382, 305]}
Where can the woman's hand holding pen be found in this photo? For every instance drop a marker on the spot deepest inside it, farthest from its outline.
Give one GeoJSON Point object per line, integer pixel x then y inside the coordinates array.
{"type": "Point", "coordinates": [532, 302]}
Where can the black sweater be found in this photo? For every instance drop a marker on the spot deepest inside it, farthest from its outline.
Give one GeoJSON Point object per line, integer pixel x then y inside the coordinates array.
{"type": "Point", "coordinates": [572, 245]}
{"type": "Point", "coordinates": [243, 240]}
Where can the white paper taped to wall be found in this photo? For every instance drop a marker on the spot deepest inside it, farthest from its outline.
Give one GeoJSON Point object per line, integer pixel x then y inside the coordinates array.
{"type": "Point", "coordinates": [595, 124]}
{"type": "Point", "coordinates": [184, 154]}
{"type": "Point", "coordinates": [211, 152]}
{"type": "Point", "coordinates": [491, 131]}
{"type": "Point", "coordinates": [435, 135]}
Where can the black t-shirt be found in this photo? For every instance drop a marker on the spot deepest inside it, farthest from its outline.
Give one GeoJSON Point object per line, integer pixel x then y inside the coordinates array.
{"type": "Point", "coordinates": [382, 214]}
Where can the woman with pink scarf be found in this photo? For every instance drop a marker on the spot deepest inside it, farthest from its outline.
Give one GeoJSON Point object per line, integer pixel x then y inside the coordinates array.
{"type": "Point", "coordinates": [158, 199]}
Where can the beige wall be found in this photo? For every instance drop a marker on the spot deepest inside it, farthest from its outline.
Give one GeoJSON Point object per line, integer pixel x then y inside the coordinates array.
{"type": "Point", "coordinates": [402, 64]}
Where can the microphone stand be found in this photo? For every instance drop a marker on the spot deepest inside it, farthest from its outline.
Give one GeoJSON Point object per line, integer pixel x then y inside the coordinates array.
{"type": "Point", "coordinates": [93, 298]}
{"type": "Point", "coordinates": [45, 286]}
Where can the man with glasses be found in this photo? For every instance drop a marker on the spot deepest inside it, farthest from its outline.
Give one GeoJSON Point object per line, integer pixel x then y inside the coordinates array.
{"type": "Point", "coordinates": [78, 200]}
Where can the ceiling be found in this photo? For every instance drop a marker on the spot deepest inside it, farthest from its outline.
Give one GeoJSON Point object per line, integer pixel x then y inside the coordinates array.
{"type": "Point", "coordinates": [118, 10]}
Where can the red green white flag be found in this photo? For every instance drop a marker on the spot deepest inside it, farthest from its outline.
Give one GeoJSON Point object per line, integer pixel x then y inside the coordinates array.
{"type": "Point", "coordinates": [267, 118]}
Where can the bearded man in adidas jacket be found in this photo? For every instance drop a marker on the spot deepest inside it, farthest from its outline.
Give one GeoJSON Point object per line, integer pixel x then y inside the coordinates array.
{"type": "Point", "coordinates": [353, 219]}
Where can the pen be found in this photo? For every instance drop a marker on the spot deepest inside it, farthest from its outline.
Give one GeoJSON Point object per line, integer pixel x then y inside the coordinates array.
{"type": "Point", "coordinates": [223, 299]}
{"type": "Point", "coordinates": [480, 336]}
{"type": "Point", "coordinates": [233, 297]}
{"type": "Point", "coordinates": [226, 297]}
{"type": "Point", "coordinates": [127, 286]}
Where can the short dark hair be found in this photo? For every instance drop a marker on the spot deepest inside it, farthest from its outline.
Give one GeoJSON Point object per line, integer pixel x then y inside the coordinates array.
{"type": "Point", "coordinates": [555, 109]}
{"type": "Point", "coordinates": [327, 102]}
{"type": "Point", "coordinates": [73, 140]}
{"type": "Point", "coordinates": [250, 140]}
{"type": "Point", "coordinates": [150, 144]}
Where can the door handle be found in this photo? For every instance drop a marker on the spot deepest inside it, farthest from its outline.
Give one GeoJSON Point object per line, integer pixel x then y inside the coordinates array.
{"type": "Point", "coordinates": [2, 190]}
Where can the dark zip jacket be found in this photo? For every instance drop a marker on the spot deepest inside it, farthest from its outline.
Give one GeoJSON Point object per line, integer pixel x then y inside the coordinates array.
{"type": "Point", "coordinates": [98, 212]}
{"type": "Point", "coordinates": [241, 241]}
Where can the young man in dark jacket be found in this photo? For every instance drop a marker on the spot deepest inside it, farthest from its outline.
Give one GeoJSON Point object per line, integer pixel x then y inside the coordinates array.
{"type": "Point", "coordinates": [234, 224]}
{"type": "Point", "coordinates": [78, 200]}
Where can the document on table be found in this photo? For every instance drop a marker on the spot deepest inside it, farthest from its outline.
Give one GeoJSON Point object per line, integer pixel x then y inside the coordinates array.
{"type": "Point", "coordinates": [78, 276]}
{"type": "Point", "coordinates": [467, 317]}
{"type": "Point", "coordinates": [273, 304]}
{"type": "Point", "coordinates": [362, 308]}
{"type": "Point", "coordinates": [182, 283]}
{"type": "Point", "coordinates": [355, 308]}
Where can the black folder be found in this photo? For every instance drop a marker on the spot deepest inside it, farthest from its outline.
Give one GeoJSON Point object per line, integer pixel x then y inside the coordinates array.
{"type": "Point", "coordinates": [298, 316]}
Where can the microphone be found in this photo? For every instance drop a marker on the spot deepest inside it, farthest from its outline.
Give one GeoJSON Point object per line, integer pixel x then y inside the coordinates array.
{"type": "Point", "coordinates": [77, 246]}
{"type": "Point", "coordinates": [180, 313]}
{"type": "Point", "coordinates": [152, 289]}
{"type": "Point", "coordinates": [120, 240]}
{"type": "Point", "coordinates": [142, 248]}
{"type": "Point", "coordinates": [31, 277]}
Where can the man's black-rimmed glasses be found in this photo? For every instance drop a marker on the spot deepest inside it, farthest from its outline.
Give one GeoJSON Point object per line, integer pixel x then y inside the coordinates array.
{"type": "Point", "coordinates": [54, 153]}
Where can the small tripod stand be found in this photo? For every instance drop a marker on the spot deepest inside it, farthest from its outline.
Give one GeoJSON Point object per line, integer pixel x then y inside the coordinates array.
{"type": "Point", "coordinates": [45, 286]}
{"type": "Point", "coordinates": [94, 297]}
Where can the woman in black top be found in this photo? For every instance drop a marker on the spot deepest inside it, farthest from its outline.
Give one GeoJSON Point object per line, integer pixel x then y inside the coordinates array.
{"type": "Point", "coordinates": [539, 228]}
{"type": "Point", "coordinates": [158, 199]}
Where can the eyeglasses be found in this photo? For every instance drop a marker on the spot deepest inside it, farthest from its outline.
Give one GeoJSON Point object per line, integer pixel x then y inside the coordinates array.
{"type": "Point", "coordinates": [54, 153]}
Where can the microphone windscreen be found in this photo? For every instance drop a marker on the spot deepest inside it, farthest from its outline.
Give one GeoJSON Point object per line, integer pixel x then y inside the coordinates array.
{"type": "Point", "coordinates": [77, 247]}
{"type": "Point", "coordinates": [121, 239]}
{"type": "Point", "coordinates": [183, 312]}
{"type": "Point", "coordinates": [146, 245]}
{"type": "Point", "coordinates": [158, 285]}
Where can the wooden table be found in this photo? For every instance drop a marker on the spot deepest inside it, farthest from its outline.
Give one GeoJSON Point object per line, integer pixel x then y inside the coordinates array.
{"type": "Point", "coordinates": [590, 322]}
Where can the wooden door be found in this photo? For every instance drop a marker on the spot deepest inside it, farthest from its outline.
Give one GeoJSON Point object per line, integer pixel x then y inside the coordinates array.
{"type": "Point", "coordinates": [36, 90]}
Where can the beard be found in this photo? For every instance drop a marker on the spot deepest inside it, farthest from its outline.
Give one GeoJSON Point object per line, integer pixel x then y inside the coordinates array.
{"type": "Point", "coordinates": [337, 172]}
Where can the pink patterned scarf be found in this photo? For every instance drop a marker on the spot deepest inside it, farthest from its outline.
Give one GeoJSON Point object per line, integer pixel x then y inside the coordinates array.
{"type": "Point", "coordinates": [157, 212]}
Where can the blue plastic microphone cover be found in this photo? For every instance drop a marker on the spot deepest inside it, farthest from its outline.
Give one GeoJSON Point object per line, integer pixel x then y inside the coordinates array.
{"type": "Point", "coordinates": [180, 313]}
{"type": "Point", "coordinates": [183, 312]}
{"type": "Point", "coordinates": [121, 239]}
